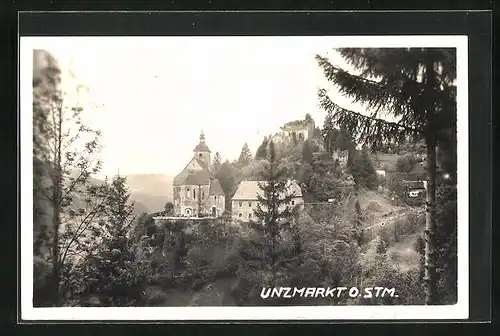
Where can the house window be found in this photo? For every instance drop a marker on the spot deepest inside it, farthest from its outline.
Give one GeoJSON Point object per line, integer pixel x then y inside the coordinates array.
{"type": "Point", "coordinates": [202, 194]}
{"type": "Point", "coordinates": [187, 193]}
{"type": "Point", "coordinates": [250, 204]}
{"type": "Point", "coordinates": [293, 202]}
{"type": "Point", "coordinates": [215, 199]}
{"type": "Point", "coordinates": [241, 204]}
{"type": "Point", "coordinates": [249, 216]}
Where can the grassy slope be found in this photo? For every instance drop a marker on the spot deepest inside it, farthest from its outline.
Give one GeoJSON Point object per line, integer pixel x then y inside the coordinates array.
{"type": "Point", "coordinates": [380, 213]}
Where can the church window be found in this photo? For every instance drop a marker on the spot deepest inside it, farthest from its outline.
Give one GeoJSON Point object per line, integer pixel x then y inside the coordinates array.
{"type": "Point", "coordinates": [202, 194]}
{"type": "Point", "coordinates": [194, 193]}
{"type": "Point", "coordinates": [200, 155]}
{"type": "Point", "coordinates": [240, 215]}
{"type": "Point", "coordinates": [249, 216]}
{"type": "Point", "coordinates": [241, 204]}
{"type": "Point", "coordinates": [187, 193]}
{"type": "Point", "coordinates": [293, 202]}
{"type": "Point", "coordinates": [250, 204]}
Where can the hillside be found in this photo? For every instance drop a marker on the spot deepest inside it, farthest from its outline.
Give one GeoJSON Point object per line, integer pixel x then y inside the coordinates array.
{"type": "Point", "coordinates": [152, 190]}
{"type": "Point", "coordinates": [377, 210]}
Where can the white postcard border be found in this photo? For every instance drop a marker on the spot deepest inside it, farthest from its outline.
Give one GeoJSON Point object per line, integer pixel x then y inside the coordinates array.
{"type": "Point", "coordinates": [458, 311]}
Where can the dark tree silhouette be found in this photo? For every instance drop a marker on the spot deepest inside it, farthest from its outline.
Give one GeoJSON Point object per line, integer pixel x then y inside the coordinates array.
{"type": "Point", "coordinates": [414, 85]}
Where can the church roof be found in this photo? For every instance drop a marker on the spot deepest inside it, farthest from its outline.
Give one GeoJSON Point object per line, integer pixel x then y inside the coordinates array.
{"type": "Point", "coordinates": [193, 177]}
{"type": "Point", "coordinates": [201, 147]}
{"type": "Point", "coordinates": [215, 187]}
{"type": "Point", "coordinates": [248, 190]}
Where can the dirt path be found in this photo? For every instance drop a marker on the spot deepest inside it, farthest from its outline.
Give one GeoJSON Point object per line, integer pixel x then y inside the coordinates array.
{"type": "Point", "coordinates": [382, 220]}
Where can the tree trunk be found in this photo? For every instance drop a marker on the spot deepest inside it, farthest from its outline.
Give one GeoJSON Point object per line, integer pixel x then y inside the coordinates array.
{"type": "Point", "coordinates": [430, 219]}
{"type": "Point", "coordinates": [430, 225]}
{"type": "Point", "coordinates": [57, 200]}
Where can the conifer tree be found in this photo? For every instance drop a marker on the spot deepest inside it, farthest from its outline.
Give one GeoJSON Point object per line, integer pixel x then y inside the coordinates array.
{"type": "Point", "coordinates": [363, 171]}
{"type": "Point", "coordinates": [274, 210]}
{"type": "Point", "coordinates": [264, 254]}
{"type": "Point", "coordinates": [120, 266]}
{"type": "Point", "coordinates": [416, 86]}
{"type": "Point", "coordinates": [245, 156]}
{"type": "Point", "coordinates": [216, 163]}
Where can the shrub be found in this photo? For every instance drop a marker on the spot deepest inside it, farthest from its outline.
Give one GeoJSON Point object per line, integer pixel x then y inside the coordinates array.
{"type": "Point", "coordinates": [163, 281]}
{"type": "Point", "coordinates": [406, 163]}
{"type": "Point", "coordinates": [156, 299]}
{"type": "Point", "coordinates": [374, 206]}
{"type": "Point", "coordinates": [198, 284]}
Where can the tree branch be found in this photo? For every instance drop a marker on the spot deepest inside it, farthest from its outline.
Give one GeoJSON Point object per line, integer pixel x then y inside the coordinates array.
{"type": "Point", "coordinates": [371, 129]}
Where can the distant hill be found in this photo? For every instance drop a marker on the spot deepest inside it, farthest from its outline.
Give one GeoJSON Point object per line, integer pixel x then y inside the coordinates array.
{"type": "Point", "coordinates": [152, 190]}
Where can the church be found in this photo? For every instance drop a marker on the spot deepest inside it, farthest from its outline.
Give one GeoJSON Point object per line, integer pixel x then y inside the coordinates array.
{"type": "Point", "coordinates": [196, 192]}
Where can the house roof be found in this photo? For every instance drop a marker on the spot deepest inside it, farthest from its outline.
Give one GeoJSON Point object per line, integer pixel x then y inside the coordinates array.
{"type": "Point", "coordinates": [249, 190]}
{"type": "Point", "coordinates": [193, 177]}
{"type": "Point", "coordinates": [215, 187]}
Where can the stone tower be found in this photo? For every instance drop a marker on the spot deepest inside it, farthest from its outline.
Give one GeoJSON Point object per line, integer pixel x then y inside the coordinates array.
{"type": "Point", "coordinates": [202, 152]}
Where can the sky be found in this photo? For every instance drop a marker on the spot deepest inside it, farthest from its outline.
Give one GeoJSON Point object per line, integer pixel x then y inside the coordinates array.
{"type": "Point", "coordinates": [152, 97]}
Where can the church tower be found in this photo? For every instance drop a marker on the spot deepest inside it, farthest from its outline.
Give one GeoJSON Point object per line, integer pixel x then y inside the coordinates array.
{"type": "Point", "coordinates": [202, 152]}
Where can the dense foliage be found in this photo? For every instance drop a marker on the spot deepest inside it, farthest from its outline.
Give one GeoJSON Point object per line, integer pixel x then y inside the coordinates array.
{"type": "Point", "coordinates": [89, 249]}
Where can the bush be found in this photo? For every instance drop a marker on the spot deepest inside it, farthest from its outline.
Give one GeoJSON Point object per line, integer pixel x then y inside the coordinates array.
{"type": "Point", "coordinates": [198, 284]}
{"type": "Point", "coordinates": [163, 281]}
{"type": "Point", "coordinates": [374, 206]}
{"type": "Point", "coordinates": [406, 163]}
{"type": "Point", "coordinates": [156, 299]}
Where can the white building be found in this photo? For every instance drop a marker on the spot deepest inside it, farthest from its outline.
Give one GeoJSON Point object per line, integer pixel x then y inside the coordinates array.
{"type": "Point", "coordinates": [245, 199]}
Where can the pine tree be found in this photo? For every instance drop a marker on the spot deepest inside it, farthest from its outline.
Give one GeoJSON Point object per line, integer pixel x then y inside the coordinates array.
{"type": "Point", "coordinates": [120, 266]}
{"type": "Point", "coordinates": [274, 210]}
{"type": "Point", "coordinates": [416, 86]}
{"type": "Point", "coordinates": [363, 171]}
{"type": "Point", "coordinates": [245, 156]}
{"type": "Point", "coordinates": [216, 163]}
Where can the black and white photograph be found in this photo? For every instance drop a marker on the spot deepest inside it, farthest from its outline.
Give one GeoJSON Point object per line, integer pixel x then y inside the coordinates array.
{"type": "Point", "coordinates": [244, 177]}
